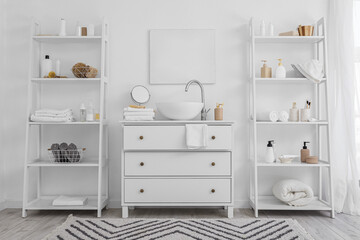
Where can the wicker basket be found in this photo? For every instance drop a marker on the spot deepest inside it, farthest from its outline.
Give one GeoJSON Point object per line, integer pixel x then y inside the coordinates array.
{"type": "Point", "coordinates": [66, 156]}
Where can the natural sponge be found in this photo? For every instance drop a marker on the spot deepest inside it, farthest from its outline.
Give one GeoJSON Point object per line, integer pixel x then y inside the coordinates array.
{"type": "Point", "coordinates": [80, 70]}
{"type": "Point", "coordinates": [92, 72]}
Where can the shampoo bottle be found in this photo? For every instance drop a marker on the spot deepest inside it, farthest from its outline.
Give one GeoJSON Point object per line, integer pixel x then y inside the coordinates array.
{"type": "Point", "coordinates": [90, 113]}
{"type": "Point", "coordinates": [82, 113]}
{"type": "Point", "coordinates": [266, 71]}
{"type": "Point", "coordinates": [304, 152]}
{"type": "Point", "coordinates": [270, 156]}
{"type": "Point", "coordinates": [46, 66]}
{"type": "Point", "coordinates": [294, 113]}
{"type": "Point", "coordinates": [280, 70]}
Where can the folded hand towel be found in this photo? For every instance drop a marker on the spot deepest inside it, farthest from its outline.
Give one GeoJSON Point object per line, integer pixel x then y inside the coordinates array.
{"type": "Point", "coordinates": [196, 136]}
{"type": "Point", "coordinates": [51, 119]}
{"type": "Point", "coordinates": [151, 114]}
{"type": "Point", "coordinates": [53, 111]}
{"type": "Point", "coordinates": [273, 116]}
{"type": "Point", "coordinates": [53, 115]}
{"type": "Point", "coordinates": [283, 116]}
{"type": "Point", "coordinates": [293, 192]}
{"type": "Point", "coordinates": [69, 201]}
{"type": "Point", "coordinates": [138, 118]}
{"type": "Point", "coordinates": [313, 70]}
{"type": "Point", "coordinates": [130, 109]}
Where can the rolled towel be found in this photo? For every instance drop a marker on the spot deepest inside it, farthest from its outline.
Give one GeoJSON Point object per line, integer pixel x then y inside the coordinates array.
{"type": "Point", "coordinates": [151, 114]}
{"type": "Point", "coordinates": [130, 109]}
{"type": "Point", "coordinates": [273, 116]}
{"type": "Point", "coordinates": [293, 192]}
{"type": "Point", "coordinates": [63, 153]}
{"type": "Point", "coordinates": [73, 154]}
{"type": "Point", "coordinates": [55, 147]}
{"type": "Point", "coordinates": [284, 116]}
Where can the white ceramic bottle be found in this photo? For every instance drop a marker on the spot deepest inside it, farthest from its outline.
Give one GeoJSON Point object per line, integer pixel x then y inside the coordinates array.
{"type": "Point", "coordinates": [271, 29]}
{"type": "Point", "coordinates": [270, 156]}
{"type": "Point", "coordinates": [57, 67]}
{"type": "Point", "coordinates": [46, 66]}
{"type": "Point", "coordinates": [294, 113]}
{"type": "Point", "coordinates": [262, 28]}
{"type": "Point", "coordinates": [90, 113]}
{"type": "Point", "coordinates": [280, 70]}
{"type": "Point", "coordinates": [82, 113]}
{"type": "Point", "coordinates": [62, 31]}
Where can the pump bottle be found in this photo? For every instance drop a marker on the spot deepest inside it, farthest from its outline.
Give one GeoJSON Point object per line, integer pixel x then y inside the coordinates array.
{"type": "Point", "coordinates": [304, 152]}
{"type": "Point", "coordinates": [270, 156]}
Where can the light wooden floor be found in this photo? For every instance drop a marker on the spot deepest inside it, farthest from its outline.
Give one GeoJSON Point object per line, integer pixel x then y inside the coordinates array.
{"type": "Point", "coordinates": [39, 223]}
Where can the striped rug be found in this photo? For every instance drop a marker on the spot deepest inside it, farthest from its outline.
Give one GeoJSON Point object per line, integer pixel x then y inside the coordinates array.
{"type": "Point", "coordinates": [215, 229]}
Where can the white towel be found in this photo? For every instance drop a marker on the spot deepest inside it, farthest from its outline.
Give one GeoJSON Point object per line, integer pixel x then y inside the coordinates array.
{"type": "Point", "coordinates": [283, 116]}
{"type": "Point", "coordinates": [312, 70]}
{"type": "Point", "coordinates": [273, 116]}
{"type": "Point", "coordinates": [53, 111]}
{"type": "Point", "coordinates": [293, 192]}
{"type": "Point", "coordinates": [138, 118]}
{"type": "Point", "coordinates": [54, 115]}
{"type": "Point", "coordinates": [69, 201]}
{"type": "Point", "coordinates": [130, 109]}
{"type": "Point", "coordinates": [196, 136]}
{"type": "Point", "coordinates": [151, 114]}
{"type": "Point", "coordinates": [34, 118]}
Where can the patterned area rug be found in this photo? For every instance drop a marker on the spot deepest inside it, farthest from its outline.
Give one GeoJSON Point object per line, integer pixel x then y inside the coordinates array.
{"type": "Point", "coordinates": [219, 229]}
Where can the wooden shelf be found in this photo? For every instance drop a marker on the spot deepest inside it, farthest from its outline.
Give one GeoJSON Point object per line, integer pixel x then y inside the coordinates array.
{"type": "Point", "coordinates": [288, 39]}
{"type": "Point", "coordinates": [272, 203]}
{"type": "Point", "coordinates": [67, 39]}
{"type": "Point", "coordinates": [293, 164]}
{"type": "Point", "coordinates": [45, 203]}
{"type": "Point", "coordinates": [292, 123]}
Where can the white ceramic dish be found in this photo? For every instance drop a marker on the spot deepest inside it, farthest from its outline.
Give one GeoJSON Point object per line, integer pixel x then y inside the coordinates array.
{"type": "Point", "coordinates": [287, 158]}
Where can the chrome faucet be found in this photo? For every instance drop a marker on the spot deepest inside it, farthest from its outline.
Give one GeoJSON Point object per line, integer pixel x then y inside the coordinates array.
{"type": "Point", "coordinates": [203, 110]}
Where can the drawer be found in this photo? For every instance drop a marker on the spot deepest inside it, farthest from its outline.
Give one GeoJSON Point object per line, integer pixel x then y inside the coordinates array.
{"type": "Point", "coordinates": [177, 163]}
{"type": "Point", "coordinates": [172, 137]}
{"type": "Point", "coordinates": [177, 190]}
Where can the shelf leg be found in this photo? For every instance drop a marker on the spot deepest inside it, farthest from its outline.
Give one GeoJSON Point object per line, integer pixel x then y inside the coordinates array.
{"type": "Point", "coordinates": [332, 213]}
{"type": "Point", "coordinates": [24, 213]}
{"type": "Point", "coordinates": [256, 213]}
{"type": "Point", "coordinates": [99, 213]}
{"type": "Point", "coordinates": [125, 212]}
{"type": "Point", "coordinates": [230, 212]}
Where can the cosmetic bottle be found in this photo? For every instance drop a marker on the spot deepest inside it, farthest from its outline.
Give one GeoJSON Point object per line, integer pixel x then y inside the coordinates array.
{"type": "Point", "coordinates": [91, 30]}
{"type": "Point", "coordinates": [62, 27]}
{"type": "Point", "coordinates": [294, 113]}
{"type": "Point", "coordinates": [270, 156]}
{"type": "Point", "coordinates": [57, 67]}
{"type": "Point", "coordinates": [262, 28]}
{"type": "Point", "coordinates": [304, 152]}
{"type": "Point", "coordinates": [82, 113]}
{"type": "Point", "coordinates": [280, 70]}
{"type": "Point", "coordinates": [90, 113]}
{"type": "Point", "coordinates": [46, 66]}
{"type": "Point", "coordinates": [219, 112]}
{"type": "Point", "coordinates": [271, 29]}
{"type": "Point", "coordinates": [266, 71]}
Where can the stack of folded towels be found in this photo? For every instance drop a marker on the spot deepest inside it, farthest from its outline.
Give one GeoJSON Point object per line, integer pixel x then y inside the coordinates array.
{"type": "Point", "coordinates": [138, 114]}
{"type": "Point", "coordinates": [51, 115]}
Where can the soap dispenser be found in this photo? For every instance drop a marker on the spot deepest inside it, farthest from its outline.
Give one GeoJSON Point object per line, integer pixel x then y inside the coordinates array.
{"type": "Point", "coordinates": [270, 156]}
{"type": "Point", "coordinates": [304, 152]}
{"type": "Point", "coordinates": [280, 70]}
{"type": "Point", "coordinates": [266, 71]}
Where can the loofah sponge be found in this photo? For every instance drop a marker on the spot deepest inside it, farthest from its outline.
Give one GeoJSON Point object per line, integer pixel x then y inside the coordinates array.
{"type": "Point", "coordinates": [92, 72]}
{"type": "Point", "coordinates": [80, 70]}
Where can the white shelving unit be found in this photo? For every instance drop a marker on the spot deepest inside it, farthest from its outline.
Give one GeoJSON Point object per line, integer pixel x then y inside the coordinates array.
{"type": "Point", "coordinates": [41, 162]}
{"type": "Point", "coordinates": [257, 201]}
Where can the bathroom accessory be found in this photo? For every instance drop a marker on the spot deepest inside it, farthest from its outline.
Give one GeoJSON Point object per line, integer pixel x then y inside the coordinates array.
{"type": "Point", "coordinates": [69, 201]}
{"type": "Point", "coordinates": [305, 114]}
{"type": "Point", "coordinates": [52, 115]}
{"type": "Point", "coordinates": [91, 30]}
{"type": "Point", "coordinates": [269, 155]}
{"type": "Point", "coordinates": [283, 116]}
{"type": "Point", "coordinates": [313, 70]}
{"type": "Point", "coordinates": [274, 116]}
{"type": "Point", "coordinates": [46, 66]}
{"type": "Point", "coordinates": [280, 70]}
{"type": "Point", "coordinates": [81, 70]}
{"type": "Point", "coordinates": [62, 31]}
{"type": "Point", "coordinates": [82, 117]}
{"type": "Point", "coordinates": [271, 29]}
{"type": "Point", "coordinates": [266, 72]}
{"type": "Point", "coordinates": [66, 155]}
{"type": "Point", "coordinates": [219, 112]}
{"type": "Point", "coordinates": [196, 136]}
{"type": "Point", "coordinates": [290, 33]}
{"type": "Point", "coordinates": [203, 111]}
{"type": "Point", "coordinates": [304, 152]}
{"type": "Point", "coordinates": [294, 113]}
{"type": "Point", "coordinates": [57, 68]}
{"type": "Point", "coordinates": [287, 158]}
{"type": "Point", "coordinates": [179, 110]}
{"type": "Point", "coordinates": [140, 94]}
{"type": "Point", "coordinates": [293, 192]}
{"type": "Point", "coordinates": [78, 29]}
{"type": "Point", "coordinates": [138, 114]}
{"type": "Point", "coordinates": [83, 31]}
{"type": "Point", "coordinates": [262, 28]}
{"type": "Point", "coordinates": [312, 160]}
{"type": "Point", "coordinates": [306, 30]}
{"type": "Point", "coordinates": [90, 113]}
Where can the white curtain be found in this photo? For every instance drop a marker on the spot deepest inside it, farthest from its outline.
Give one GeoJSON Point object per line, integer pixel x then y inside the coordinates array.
{"type": "Point", "coordinates": [342, 106]}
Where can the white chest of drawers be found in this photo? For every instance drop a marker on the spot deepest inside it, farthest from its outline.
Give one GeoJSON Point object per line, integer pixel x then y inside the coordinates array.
{"type": "Point", "coordinates": [157, 169]}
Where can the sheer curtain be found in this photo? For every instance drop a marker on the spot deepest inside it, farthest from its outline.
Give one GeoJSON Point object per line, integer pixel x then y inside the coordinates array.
{"type": "Point", "coordinates": [342, 94]}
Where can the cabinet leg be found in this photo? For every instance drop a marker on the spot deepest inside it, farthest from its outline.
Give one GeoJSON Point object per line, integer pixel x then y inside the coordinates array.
{"type": "Point", "coordinates": [99, 213]}
{"type": "Point", "coordinates": [125, 212]}
{"type": "Point", "coordinates": [230, 212]}
{"type": "Point", "coordinates": [332, 213]}
{"type": "Point", "coordinates": [24, 213]}
{"type": "Point", "coordinates": [256, 212]}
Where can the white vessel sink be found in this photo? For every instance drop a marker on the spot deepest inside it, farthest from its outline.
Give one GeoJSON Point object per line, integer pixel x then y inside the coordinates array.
{"type": "Point", "coordinates": [180, 110]}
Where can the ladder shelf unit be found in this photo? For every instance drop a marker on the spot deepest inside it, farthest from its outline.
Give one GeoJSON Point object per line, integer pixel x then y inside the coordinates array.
{"type": "Point", "coordinates": [265, 202]}
{"type": "Point", "coordinates": [38, 200]}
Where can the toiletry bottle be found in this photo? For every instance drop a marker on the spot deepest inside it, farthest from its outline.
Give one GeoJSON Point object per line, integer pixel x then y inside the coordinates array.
{"type": "Point", "coordinates": [62, 27]}
{"type": "Point", "coordinates": [271, 29]}
{"type": "Point", "coordinates": [304, 152]}
{"type": "Point", "coordinates": [78, 29]}
{"type": "Point", "coordinates": [57, 67]}
{"type": "Point", "coordinates": [90, 113]}
{"type": "Point", "coordinates": [219, 111]}
{"type": "Point", "coordinates": [262, 28]}
{"type": "Point", "coordinates": [91, 30]}
{"type": "Point", "coordinates": [82, 113]}
{"type": "Point", "coordinates": [266, 71]}
{"type": "Point", "coordinates": [269, 156]}
{"type": "Point", "coordinates": [280, 70]}
{"type": "Point", "coordinates": [294, 113]}
{"type": "Point", "coordinates": [46, 66]}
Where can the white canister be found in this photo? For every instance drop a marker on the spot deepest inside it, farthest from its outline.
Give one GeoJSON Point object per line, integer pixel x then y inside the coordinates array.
{"type": "Point", "coordinates": [62, 27]}
{"type": "Point", "coordinates": [305, 114]}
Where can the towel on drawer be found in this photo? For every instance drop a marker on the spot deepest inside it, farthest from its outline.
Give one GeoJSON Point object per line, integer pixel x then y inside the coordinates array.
{"type": "Point", "coordinates": [196, 136]}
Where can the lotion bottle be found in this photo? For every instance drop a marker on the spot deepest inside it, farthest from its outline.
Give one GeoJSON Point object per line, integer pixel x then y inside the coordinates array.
{"type": "Point", "coordinates": [280, 70]}
{"type": "Point", "coordinates": [46, 66]}
{"type": "Point", "coordinates": [270, 156]}
{"type": "Point", "coordinates": [294, 113]}
{"type": "Point", "coordinates": [304, 152]}
{"type": "Point", "coordinates": [266, 71]}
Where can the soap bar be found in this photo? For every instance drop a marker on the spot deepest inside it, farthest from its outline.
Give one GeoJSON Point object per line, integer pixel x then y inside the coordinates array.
{"type": "Point", "coordinates": [312, 159]}
{"type": "Point", "coordinates": [291, 33]}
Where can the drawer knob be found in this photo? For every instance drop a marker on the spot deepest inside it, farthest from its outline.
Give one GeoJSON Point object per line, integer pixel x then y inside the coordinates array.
{"type": "Point", "coordinates": [141, 190]}
{"type": "Point", "coordinates": [213, 137]}
{"type": "Point", "coordinates": [213, 164]}
{"type": "Point", "coordinates": [212, 190]}
{"type": "Point", "coordinates": [141, 164]}
{"type": "Point", "coordinates": [141, 137]}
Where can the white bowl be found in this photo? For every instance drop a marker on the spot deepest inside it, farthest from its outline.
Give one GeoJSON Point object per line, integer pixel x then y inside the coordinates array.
{"type": "Point", "coordinates": [287, 158]}
{"type": "Point", "coordinates": [180, 110]}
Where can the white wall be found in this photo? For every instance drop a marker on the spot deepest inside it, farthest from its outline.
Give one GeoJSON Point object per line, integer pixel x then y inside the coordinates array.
{"type": "Point", "coordinates": [130, 22]}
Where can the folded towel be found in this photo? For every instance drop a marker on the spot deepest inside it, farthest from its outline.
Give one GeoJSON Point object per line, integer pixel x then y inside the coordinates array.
{"type": "Point", "coordinates": [138, 118]}
{"type": "Point", "coordinates": [313, 70]}
{"type": "Point", "coordinates": [51, 119]}
{"type": "Point", "coordinates": [69, 201]}
{"type": "Point", "coordinates": [130, 109]}
{"type": "Point", "coordinates": [53, 111]}
{"type": "Point", "coordinates": [196, 136]}
{"type": "Point", "coordinates": [283, 116]}
{"type": "Point", "coordinates": [273, 116]}
{"type": "Point", "coordinates": [151, 114]}
{"type": "Point", "coordinates": [54, 115]}
{"type": "Point", "coordinates": [293, 192]}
